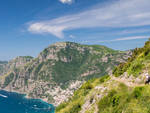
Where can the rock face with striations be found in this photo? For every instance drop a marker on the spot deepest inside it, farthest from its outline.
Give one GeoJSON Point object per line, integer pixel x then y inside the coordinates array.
{"type": "Point", "coordinates": [59, 70]}
{"type": "Point", "coordinates": [3, 67]}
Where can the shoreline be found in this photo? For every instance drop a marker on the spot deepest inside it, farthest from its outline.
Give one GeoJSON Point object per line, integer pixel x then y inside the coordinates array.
{"type": "Point", "coordinates": [27, 97]}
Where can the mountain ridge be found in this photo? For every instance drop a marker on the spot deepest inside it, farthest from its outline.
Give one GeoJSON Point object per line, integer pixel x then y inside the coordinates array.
{"type": "Point", "coordinates": [59, 70]}
{"type": "Point", "coordinates": [122, 92]}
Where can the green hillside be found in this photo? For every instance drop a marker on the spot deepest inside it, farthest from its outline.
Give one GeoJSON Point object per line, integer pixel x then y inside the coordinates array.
{"type": "Point", "coordinates": [139, 61]}
{"type": "Point", "coordinates": [123, 92]}
{"type": "Point", "coordinates": [60, 69]}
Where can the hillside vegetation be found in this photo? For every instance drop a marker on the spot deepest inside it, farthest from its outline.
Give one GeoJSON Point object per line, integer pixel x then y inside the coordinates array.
{"type": "Point", "coordinates": [139, 61]}
{"type": "Point", "coordinates": [122, 92]}
{"type": "Point", "coordinates": [60, 69]}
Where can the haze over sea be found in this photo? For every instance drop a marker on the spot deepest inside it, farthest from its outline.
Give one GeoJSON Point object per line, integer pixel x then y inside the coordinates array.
{"type": "Point", "coordinates": [17, 103]}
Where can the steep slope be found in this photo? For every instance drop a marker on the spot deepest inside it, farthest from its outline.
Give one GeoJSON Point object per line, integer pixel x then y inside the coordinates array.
{"type": "Point", "coordinates": [139, 62]}
{"type": "Point", "coordinates": [60, 69]}
{"type": "Point", "coordinates": [2, 66]}
{"type": "Point", "coordinates": [6, 67]}
{"type": "Point", "coordinates": [122, 92]}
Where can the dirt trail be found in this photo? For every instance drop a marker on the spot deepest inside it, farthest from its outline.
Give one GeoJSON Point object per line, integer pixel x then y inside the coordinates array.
{"type": "Point", "coordinates": [127, 82]}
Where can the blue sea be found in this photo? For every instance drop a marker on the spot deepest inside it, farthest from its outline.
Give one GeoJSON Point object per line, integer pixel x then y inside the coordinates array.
{"type": "Point", "coordinates": [17, 103]}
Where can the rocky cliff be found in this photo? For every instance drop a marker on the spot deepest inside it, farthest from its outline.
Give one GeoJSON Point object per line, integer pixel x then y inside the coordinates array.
{"type": "Point", "coordinates": [3, 67]}
{"type": "Point", "coordinates": [59, 70]}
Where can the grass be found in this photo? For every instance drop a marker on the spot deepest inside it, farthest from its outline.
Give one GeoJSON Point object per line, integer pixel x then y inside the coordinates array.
{"type": "Point", "coordinates": [119, 98]}
{"type": "Point", "coordinates": [74, 104]}
{"type": "Point", "coordinates": [126, 100]}
{"type": "Point", "coordinates": [136, 63]}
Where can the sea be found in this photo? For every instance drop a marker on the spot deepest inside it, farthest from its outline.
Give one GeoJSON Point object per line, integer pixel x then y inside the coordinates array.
{"type": "Point", "coordinates": [17, 103]}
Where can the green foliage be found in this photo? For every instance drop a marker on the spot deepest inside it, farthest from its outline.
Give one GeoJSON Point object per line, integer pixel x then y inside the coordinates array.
{"type": "Point", "coordinates": [74, 104]}
{"type": "Point", "coordinates": [106, 101]}
{"type": "Point", "coordinates": [37, 69]}
{"type": "Point", "coordinates": [104, 78]}
{"type": "Point", "coordinates": [137, 62]}
{"type": "Point", "coordinates": [72, 61]}
{"type": "Point", "coordinates": [64, 63]}
{"type": "Point", "coordinates": [123, 99]}
{"type": "Point", "coordinates": [135, 68]}
{"type": "Point", "coordinates": [119, 70]}
{"type": "Point", "coordinates": [87, 86]}
{"type": "Point", "coordinates": [8, 79]}
{"type": "Point", "coordinates": [75, 108]}
{"type": "Point", "coordinates": [70, 70]}
{"type": "Point", "coordinates": [79, 59]}
{"type": "Point", "coordinates": [137, 93]}
{"type": "Point", "coordinates": [104, 48]}
{"type": "Point", "coordinates": [61, 106]}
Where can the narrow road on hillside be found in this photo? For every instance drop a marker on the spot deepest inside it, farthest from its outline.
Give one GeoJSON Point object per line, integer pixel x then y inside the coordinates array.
{"type": "Point", "coordinates": [126, 81]}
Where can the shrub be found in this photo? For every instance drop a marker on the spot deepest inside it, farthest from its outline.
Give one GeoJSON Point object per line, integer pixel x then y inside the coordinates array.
{"type": "Point", "coordinates": [75, 108]}
{"type": "Point", "coordinates": [107, 101]}
{"type": "Point", "coordinates": [135, 68]}
{"type": "Point", "coordinates": [104, 78]}
{"type": "Point", "coordinates": [138, 92]}
{"type": "Point", "coordinates": [87, 86]}
{"type": "Point", "coordinates": [115, 100]}
{"type": "Point", "coordinates": [61, 106]}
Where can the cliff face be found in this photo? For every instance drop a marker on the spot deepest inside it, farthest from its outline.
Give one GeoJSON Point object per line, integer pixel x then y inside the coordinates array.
{"type": "Point", "coordinates": [59, 70]}
{"type": "Point", "coordinates": [6, 67]}
{"type": "Point", "coordinates": [122, 92]}
{"type": "Point", "coordinates": [2, 67]}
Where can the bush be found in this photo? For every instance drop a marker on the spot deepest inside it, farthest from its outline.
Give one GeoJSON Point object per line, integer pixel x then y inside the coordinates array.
{"type": "Point", "coordinates": [61, 106]}
{"type": "Point", "coordinates": [87, 86]}
{"type": "Point", "coordinates": [107, 101]}
{"type": "Point", "coordinates": [115, 100]}
{"type": "Point", "coordinates": [104, 78]}
{"type": "Point", "coordinates": [75, 108]}
{"type": "Point", "coordinates": [147, 51]}
{"type": "Point", "coordinates": [134, 65]}
{"type": "Point", "coordinates": [136, 68]}
{"type": "Point", "coordinates": [138, 92]}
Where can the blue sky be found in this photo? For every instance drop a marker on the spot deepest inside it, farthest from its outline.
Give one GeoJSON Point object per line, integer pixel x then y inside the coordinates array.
{"type": "Point", "coordinates": [28, 26]}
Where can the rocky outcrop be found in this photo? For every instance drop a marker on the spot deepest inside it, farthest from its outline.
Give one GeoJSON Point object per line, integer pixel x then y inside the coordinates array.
{"type": "Point", "coordinates": [2, 67]}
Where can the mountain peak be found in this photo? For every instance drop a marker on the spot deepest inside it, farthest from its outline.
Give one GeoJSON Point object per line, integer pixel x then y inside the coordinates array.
{"type": "Point", "coordinates": [62, 67]}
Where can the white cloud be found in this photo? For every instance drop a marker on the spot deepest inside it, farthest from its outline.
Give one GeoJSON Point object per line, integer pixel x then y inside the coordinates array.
{"type": "Point", "coordinates": [131, 38]}
{"type": "Point", "coordinates": [121, 13]}
{"type": "Point", "coordinates": [118, 39]}
{"type": "Point", "coordinates": [66, 1]}
{"type": "Point", "coordinates": [133, 31]}
{"type": "Point", "coordinates": [42, 28]}
{"type": "Point", "coordinates": [72, 36]}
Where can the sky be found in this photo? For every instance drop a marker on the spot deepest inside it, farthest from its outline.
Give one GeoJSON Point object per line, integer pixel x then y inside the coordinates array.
{"type": "Point", "coordinates": [29, 26]}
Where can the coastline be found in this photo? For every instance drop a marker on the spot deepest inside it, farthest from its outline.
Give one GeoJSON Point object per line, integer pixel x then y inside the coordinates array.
{"type": "Point", "coordinates": [28, 97]}
{"type": "Point", "coordinates": [25, 104]}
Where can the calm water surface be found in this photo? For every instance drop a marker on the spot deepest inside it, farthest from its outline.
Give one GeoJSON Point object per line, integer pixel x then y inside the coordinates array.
{"type": "Point", "coordinates": [17, 103]}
